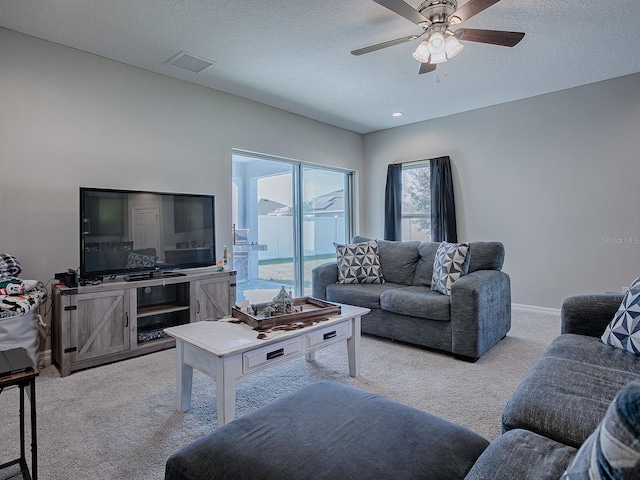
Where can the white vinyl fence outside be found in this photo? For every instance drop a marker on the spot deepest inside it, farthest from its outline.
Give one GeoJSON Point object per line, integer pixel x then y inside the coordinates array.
{"type": "Point", "coordinates": [319, 233]}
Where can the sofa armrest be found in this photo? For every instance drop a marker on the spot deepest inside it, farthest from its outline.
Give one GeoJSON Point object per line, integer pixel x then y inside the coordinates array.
{"type": "Point", "coordinates": [322, 276]}
{"type": "Point", "coordinates": [480, 311]}
{"type": "Point", "coordinates": [589, 314]}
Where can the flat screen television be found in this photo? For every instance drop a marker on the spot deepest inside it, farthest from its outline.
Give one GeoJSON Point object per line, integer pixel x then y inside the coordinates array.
{"type": "Point", "coordinates": [143, 234]}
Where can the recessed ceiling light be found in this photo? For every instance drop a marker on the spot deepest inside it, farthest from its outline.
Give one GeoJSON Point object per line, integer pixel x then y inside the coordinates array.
{"type": "Point", "coordinates": [397, 114]}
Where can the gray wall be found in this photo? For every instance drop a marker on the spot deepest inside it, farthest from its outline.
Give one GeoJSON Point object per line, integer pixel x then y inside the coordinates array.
{"type": "Point", "coordinates": [71, 119]}
{"type": "Point", "coordinates": [554, 177]}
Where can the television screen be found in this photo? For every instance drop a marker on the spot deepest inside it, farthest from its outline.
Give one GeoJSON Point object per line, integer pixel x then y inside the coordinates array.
{"type": "Point", "coordinates": [126, 231]}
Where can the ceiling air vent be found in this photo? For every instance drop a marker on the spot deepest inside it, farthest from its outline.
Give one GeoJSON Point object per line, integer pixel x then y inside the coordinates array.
{"type": "Point", "coordinates": [190, 62]}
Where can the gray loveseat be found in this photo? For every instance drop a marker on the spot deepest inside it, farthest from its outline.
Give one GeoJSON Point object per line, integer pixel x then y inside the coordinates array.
{"type": "Point", "coordinates": [405, 308]}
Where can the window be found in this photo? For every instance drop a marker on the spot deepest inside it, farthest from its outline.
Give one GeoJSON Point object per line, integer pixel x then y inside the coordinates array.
{"type": "Point", "coordinates": [289, 214]}
{"type": "Point", "coordinates": [416, 201]}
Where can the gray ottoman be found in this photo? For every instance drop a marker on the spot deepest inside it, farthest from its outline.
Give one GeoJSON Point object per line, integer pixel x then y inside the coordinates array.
{"type": "Point", "coordinates": [331, 431]}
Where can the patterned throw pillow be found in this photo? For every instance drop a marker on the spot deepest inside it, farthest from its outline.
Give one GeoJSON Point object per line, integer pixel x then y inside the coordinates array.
{"type": "Point", "coordinates": [451, 262]}
{"type": "Point", "coordinates": [9, 266]}
{"type": "Point", "coordinates": [359, 263]}
{"type": "Point", "coordinates": [624, 330]}
{"type": "Point", "coordinates": [136, 260]}
{"type": "Point", "coordinates": [612, 450]}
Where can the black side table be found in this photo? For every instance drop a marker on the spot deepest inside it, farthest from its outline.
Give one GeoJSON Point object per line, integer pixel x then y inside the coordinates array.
{"type": "Point", "coordinates": [23, 380]}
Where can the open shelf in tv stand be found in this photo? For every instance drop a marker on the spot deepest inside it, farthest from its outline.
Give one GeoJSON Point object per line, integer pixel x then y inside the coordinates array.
{"type": "Point", "coordinates": [98, 324]}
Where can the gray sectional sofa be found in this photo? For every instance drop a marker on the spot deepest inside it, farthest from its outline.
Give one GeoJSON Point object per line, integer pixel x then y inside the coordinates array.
{"type": "Point", "coordinates": [405, 308]}
{"type": "Point", "coordinates": [564, 397]}
{"type": "Point", "coordinates": [566, 393]}
{"type": "Point", "coordinates": [327, 430]}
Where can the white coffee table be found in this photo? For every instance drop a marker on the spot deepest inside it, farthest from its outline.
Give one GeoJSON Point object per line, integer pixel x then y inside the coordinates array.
{"type": "Point", "coordinates": [227, 351]}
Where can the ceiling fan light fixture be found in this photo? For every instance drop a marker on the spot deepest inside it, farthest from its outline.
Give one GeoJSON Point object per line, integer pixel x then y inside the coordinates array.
{"type": "Point", "coordinates": [436, 17]}
{"type": "Point", "coordinates": [438, 58]}
{"type": "Point", "coordinates": [452, 46]}
{"type": "Point", "coordinates": [436, 43]}
{"type": "Point", "coordinates": [422, 52]}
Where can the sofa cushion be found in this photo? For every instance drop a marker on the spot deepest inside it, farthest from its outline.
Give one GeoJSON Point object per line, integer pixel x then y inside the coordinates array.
{"type": "Point", "coordinates": [421, 302]}
{"type": "Point", "coordinates": [365, 295]}
{"type": "Point", "coordinates": [397, 259]}
{"type": "Point", "coordinates": [613, 450]}
{"type": "Point", "coordinates": [424, 268]}
{"type": "Point", "coordinates": [591, 350]}
{"type": "Point", "coordinates": [331, 431]}
{"type": "Point", "coordinates": [486, 256]}
{"type": "Point", "coordinates": [624, 330]}
{"type": "Point", "coordinates": [589, 314]}
{"type": "Point", "coordinates": [522, 455]}
{"type": "Point", "coordinates": [451, 262]}
{"type": "Point", "coordinates": [358, 263]}
{"type": "Point", "coordinates": [483, 256]}
{"type": "Point", "coordinates": [563, 399]}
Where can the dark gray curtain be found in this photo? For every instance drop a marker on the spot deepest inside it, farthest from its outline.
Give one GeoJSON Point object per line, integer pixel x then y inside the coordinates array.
{"type": "Point", "coordinates": [443, 212]}
{"type": "Point", "coordinates": [393, 203]}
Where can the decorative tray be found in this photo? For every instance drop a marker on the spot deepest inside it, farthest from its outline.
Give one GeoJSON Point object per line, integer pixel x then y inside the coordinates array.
{"type": "Point", "coordinates": [311, 309]}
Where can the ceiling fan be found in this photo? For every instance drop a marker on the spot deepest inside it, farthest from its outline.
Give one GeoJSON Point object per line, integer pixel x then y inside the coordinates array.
{"type": "Point", "coordinates": [436, 17]}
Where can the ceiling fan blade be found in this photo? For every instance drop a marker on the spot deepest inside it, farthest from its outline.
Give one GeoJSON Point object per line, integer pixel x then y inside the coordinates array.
{"type": "Point", "coordinates": [404, 10]}
{"type": "Point", "coordinates": [427, 67]}
{"type": "Point", "coordinates": [380, 46]}
{"type": "Point", "coordinates": [494, 37]}
{"type": "Point", "coordinates": [471, 8]}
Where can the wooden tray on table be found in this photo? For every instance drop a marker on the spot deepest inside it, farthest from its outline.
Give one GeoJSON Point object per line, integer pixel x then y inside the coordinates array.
{"type": "Point", "coordinates": [313, 310]}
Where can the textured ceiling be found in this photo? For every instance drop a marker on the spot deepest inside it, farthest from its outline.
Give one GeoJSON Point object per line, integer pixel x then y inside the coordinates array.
{"type": "Point", "coordinates": [295, 54]}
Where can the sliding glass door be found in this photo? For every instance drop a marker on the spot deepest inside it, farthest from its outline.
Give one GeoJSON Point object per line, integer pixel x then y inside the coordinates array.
{"type": "Point", "coordinates": [287, 215]}
{"type": "Point", "coordinates": [326, 215]}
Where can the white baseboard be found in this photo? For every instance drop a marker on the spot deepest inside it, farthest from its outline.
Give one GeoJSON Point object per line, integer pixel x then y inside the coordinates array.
{"type": "Point", "coordinates": [535, 309]}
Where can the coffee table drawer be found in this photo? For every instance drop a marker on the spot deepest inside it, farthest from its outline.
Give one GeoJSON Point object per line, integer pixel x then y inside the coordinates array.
{"type": "Point", "coordinates": [261, 357]}
{"type": "Point", "coordinates": [331, 334]}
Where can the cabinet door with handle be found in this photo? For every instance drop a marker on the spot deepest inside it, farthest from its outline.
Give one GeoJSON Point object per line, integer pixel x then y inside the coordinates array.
{"type": "Point", "coordinates": [213, 298]}
{"type": "Point", "coordinates": [100, 324]}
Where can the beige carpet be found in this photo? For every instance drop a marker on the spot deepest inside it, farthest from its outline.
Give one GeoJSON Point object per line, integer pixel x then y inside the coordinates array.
{"type": "Point", "coordinates": [119, 421]}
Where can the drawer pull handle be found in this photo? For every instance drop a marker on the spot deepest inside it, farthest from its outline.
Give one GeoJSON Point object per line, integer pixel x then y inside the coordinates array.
{"type": "Point", "coordinates": [329, 335]}
{"type": "Point", "coordinates": [275, 354]}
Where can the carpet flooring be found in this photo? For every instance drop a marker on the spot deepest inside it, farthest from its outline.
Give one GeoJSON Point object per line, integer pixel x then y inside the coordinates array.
{"type": "Point", "coordinates": [119, 421]}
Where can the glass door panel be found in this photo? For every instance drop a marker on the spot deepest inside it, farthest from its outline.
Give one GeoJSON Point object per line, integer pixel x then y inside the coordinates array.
{"type": "Point", "coordinates": [325, 218]}
{"type": "Point", "coordinates": [287, 217]}
{"type": "Point", "coordinates": [264, 231]}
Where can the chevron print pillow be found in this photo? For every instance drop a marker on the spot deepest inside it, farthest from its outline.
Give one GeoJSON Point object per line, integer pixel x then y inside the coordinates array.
{"type": "Point", "coordinates": [451, 262]}
{"type": "Point", "coordinates": [359, 263]}
{"type": "Point", "coordinates": [624, 330]}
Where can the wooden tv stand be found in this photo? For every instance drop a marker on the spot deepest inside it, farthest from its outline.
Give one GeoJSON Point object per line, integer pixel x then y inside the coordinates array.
{"type": "Point", "coordinates": [115, 320]}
